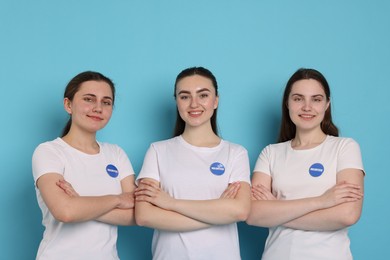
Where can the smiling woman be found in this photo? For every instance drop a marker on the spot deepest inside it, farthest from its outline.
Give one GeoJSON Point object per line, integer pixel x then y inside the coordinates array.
{"type": "Point", "coordinates": [308, 188]}
{"type": "Point", "coordinates": [194, 186]}
{"type": "Point", "coordinates": [80, 219]}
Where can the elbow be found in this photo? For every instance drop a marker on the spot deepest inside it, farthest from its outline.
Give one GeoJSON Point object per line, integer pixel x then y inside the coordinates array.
{"type": "Point", "coordinates": [142, 218]}
{"type": "Point", "coordinates": [64, 216]}
{"type": "Point", "coordinates": [242, 213]}
{"type": "Point", "coordinates": [350, 218]}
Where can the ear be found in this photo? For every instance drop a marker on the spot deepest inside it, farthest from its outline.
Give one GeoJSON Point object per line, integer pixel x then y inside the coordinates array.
{"type": "Point", "coordinates": [68, 105]}
{"type": "Point", "coordinates": [216, 102]}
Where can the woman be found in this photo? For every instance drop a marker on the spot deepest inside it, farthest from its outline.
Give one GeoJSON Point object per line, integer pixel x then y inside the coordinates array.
{"type": "Point", "coordinates": [193, 188]}
{"type": "Point", "coordinates": [82, 224]}
{"type": "Point", "coordinates": [308, 188]}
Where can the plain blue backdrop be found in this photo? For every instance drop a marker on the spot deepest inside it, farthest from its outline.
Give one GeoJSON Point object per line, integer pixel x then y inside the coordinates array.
{"type": "Point", "coordinates": [251, 46]}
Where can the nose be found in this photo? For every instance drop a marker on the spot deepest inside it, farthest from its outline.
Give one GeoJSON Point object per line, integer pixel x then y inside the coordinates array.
{"type": "Point", "coordinates": [194, 102]}
{"type": "Point", "coordinates": [306, 105]}
{"type": "Point", "coordinates": [97, 108]}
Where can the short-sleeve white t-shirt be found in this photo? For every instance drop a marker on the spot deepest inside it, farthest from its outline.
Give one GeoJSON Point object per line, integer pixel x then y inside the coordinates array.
{"type": "Point", "coordinates": [307, 173]}
{"type": "Point", "coordinates": [196, 173]}
{"type": "Point", "coordinates": [90, 175]}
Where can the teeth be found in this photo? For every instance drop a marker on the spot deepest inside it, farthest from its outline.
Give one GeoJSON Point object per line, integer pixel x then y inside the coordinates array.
{"type": "Point", "coordinates": [195, 113]}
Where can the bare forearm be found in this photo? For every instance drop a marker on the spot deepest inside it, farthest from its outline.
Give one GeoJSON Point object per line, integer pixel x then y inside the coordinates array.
{"type": "Point", "coordinates": [270, 213]}
{"type": "Point", "coordinates": [214, 212]}
{"type": "Point", "coordinates": [151, 216]}
{"type": "Point", "coordinates": [121, 217]}
{"type": "Point", "coordinates": [334, 218]}
{"type": "Point", "coordinates": [83, 208]}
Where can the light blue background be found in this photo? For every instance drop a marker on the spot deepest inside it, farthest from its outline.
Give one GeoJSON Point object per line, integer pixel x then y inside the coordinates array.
{"type": "Point", "coordinates": [251, 46]}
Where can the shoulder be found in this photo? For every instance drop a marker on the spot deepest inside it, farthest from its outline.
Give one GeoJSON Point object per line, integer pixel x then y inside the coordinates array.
{"type": "Point", "coordinates": [55, 145]}
{"type": "Point", "coordinates": [234, 146]}
{"type": "Point", "coordinates": [277, 146]}
{"type": "Point", "coordinates": [165, 143]}
{"type": "Point", "coordinates": [341, 141]}
{"type": "Point", "coordinates": [111, 148]}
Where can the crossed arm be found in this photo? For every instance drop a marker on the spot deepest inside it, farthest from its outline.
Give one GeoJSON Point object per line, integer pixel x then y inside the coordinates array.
{"type": "Point", "coordinates": [67, 206]}
{"type": "Point", "coordinates": [337, 208]}
{"type": "Point", "coordinates": [156, 209]}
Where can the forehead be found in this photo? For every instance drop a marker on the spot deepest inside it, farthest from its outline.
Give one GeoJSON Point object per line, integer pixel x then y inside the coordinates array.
{"type": "Point", "coordinates": [194, 82]}
{"type": "Point", "coordinates": [95, 87]}
{"type": "Point", "coordinates": [308, 87]}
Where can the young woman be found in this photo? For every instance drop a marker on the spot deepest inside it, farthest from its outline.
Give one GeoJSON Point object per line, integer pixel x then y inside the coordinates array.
{"type": "Point", "coordinates": [80, 219]}
{"type": "Point", "coordinates": [193, 188]}
{"type": "Point", "coordinates": [308, 188]}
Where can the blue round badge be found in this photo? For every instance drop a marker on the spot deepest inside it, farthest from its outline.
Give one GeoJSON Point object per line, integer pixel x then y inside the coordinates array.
{"type": "Point", "coordinates": [112, 171]}
{"type": "Point", "coordinates": [217, 168]}
{"type": "Point", "coordinates": [316, 170]}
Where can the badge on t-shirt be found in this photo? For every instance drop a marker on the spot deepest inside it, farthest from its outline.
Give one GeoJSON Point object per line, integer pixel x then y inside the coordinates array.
{"type": "Point", "coordinates": [217, 168]}
{"type": "Point", "coordinates": [316, 170]}
{"type": "Point", "coordinates": [112, 171]}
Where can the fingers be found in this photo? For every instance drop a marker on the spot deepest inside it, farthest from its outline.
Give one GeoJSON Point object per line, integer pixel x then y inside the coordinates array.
{"type": "Point", "coordinates": [260, 192]}
{"type": "Point", "coordinates": [231, 191]}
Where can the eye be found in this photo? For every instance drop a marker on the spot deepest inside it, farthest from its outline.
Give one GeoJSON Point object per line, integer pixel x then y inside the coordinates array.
{"type": "Point", "coordinates": [204, 95]}
{"type": "Point", "coordinates": [317, 99]}
{"type": "Point", "coordinates": [297, 99]}
{"type": "Point", "coordinates": [183, 97]}
{"type": "Point", "coordinates": [87, 99]}
{"type": "Point", "coordinates": [107, 103]}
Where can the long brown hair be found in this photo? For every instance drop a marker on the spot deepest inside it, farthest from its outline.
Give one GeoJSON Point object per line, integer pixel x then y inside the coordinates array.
{"type": "Point", "coordinates": [74, 85]}
{"type": "Point", "coordinates": [180, 124]}
{"type": "Point", "coordinates": [287, 127]}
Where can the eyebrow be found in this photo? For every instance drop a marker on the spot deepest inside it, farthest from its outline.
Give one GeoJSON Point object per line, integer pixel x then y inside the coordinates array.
{"type": "Point", "coordinates": [198, 91]}
{"type": "Point", "coordinates": [93, 95]}
{"type": "Point", "coordinates": [316, 95]}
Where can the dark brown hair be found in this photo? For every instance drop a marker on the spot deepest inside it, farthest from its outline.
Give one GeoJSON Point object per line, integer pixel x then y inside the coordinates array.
{"type": "Point", "coordinates": [287, 127]}
{"type": "Point", "coordinates": [74, 85]}
{"type": "Point", "coordinates": [180, 124]}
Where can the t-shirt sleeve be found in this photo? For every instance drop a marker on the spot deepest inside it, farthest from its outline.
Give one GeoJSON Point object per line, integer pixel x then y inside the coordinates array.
{"type": "Point", "coordinates": [125, 167]}
{"type": "Point", "coordinates": [150, 166]}
{"type": "Point", "coordinates": [350, 156]}
{"type": "Point", "coordinates": [46, 159]}
{"type": "Point", "coordinates": [263, 162]}
{"type": "Point", "coordinates": [241, 167]}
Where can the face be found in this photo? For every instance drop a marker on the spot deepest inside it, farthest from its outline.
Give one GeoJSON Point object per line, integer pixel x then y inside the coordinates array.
{"type": "Point", "coordinates": [307, 104]}
{"type": "Point", "coordinates": [196, 100]}
{"type": "Point", "coordinates": [91, 107]}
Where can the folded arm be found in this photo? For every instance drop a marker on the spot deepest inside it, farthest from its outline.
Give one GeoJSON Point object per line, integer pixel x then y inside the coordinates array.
{"type": "Point", "coordinates": [336, 217]}
{"type": "Point", "coordinates": [268, 212]}
{"type": "Point", "coordinates": [66, 208]}
{"type": "Point", "coordinates": [122, 217]}
{"type": "Point", "coordinates": [214, 212]}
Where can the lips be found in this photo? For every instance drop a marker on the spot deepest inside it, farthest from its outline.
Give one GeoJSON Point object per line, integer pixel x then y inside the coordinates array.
{"type": "Point", "coordinates": [195, 113]}
{"type": "Point", "coordinates": [96, 118]}
{"type": "Point", "coordinates": [304, 116]}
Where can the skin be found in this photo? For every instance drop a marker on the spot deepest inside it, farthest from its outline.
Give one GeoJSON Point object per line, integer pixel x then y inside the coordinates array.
{"type": "Point", "coordinates": [91, 109]}
{"type": "Point", "coordinates": [337, 208]}
{"type": "Point", "coordinates": [196, 102]}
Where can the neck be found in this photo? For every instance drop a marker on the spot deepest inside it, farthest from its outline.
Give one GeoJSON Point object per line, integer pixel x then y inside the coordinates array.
{"type": "Point", "coordinates": [85, 142]}
{"type": "Point", "coordinates": [307, 140]}
{"type": "Point", "coordinates": [201, 136]}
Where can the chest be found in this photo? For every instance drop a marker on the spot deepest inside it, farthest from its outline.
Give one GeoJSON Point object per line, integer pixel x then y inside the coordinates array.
{"type": "Point", "coordinates": [299, 174]}
{"type": "Point", "coordinates": [93, 176]}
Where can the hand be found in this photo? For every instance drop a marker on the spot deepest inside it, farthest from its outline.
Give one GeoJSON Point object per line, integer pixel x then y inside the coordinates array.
{"type": "Point", "coordinates": [67, 188]}
{"type": "Point", "coordinates": [231, 191]}
{"type": "Point", "coordinates": [126, 200]}
{"type": "Point", "coordinates": [148, 191]}
{"type": "Point", "coordinates": [260, 192]}
{"type": "Point", "coordinates": [341, 193]}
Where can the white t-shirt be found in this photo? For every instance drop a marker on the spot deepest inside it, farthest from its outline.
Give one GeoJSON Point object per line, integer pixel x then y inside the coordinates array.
{"type": "Point", "coordinates": [90, 175]}
{"type": "Point", "coordinates": [196, 173]}
{"type": "Point", "coordinates": [307, 173]}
